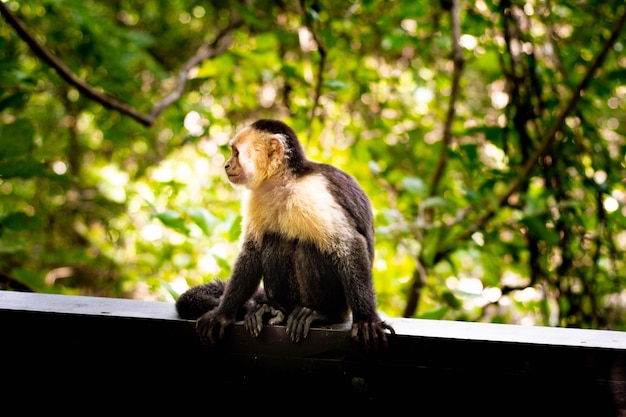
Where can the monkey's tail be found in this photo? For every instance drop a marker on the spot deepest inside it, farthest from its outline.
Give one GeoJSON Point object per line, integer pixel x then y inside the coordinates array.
{"type": "Point", "coordinates": [200, 299]}
{"type": "Point", "coordinates": [205, 297]}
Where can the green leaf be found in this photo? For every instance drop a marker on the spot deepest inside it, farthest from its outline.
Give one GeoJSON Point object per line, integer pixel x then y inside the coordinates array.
{"type": "Point", "coordinates": [336, 84]}
{"type": "Point", "coordinates": [437, 314]}
{"type": "Point", "coordinates": [221, 262]}
{"type": "Point", "coordinates": [537, 228]}
{"type": "Point", "coordinates": [435, 202]}
{"type": "Point", "coordinates": [22, 168]}
{"type": "Point", "coordinates": [210, 68]}
{"type": "Point", "coordinates": [451, 300]}
{"type": "Point", "coordinates": [173, 220]}
{"type": "Point", "coordinates": [16, 139]}
{"type": "Point", "coordinates": [431, 244]}
{"type": "Point", "coordinates": [14, 100]}
{"type": "Point", "coordinates": [235, 228]}
{"type": "Point", "coordinates": [415, 185]}
{"type": "Point", "coordinates": [203, 219]}
{"type": "Point", "coordinates": [21, 221]}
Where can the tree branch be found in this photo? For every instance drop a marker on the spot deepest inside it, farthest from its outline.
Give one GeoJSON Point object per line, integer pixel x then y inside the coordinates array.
{"type": "Point", "coordinates": [218, 46]}
{"type": "Point", "coordinates": [546, 141]}
{"type": "Point", "coordinates": [550, 135]}
{"type": "Point", "coordinates": [320, 68]}
{"type": "Point", "coordinates": [419, 275]}
{"type": "Point", "coordinates": [204, 52]}
{"type": "Point", "coordinates": [457, 59]}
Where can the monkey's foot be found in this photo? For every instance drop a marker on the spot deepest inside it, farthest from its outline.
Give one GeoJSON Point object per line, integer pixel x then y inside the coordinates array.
{"type": "Point", "coordinates": [300, 320]}
{"type": "Point", "coordinates": [371, 334]}
{"type": "Point", "coordinates": [260, 314]}
{"type": "Point", "coordinates": [212, 326]}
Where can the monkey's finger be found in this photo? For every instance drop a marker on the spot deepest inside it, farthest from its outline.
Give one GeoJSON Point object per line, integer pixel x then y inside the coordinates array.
{"type": "Point", "coordinates": [355, 333]}
{"type": "Point", "coordinates": [361, 334]}
{"type": "Point", "coordinates": [374, 330]}
{"type": "Point", "coordinates": [294, 323]}
{"type": "Point", "coordinates": [383, 338]}
{"type": "Point", "coordinates": [253, 322]}
{"type": "Point", "coordinates": [249, 323]}
{"type": "Point", "coordinates": [366, 336]}
{"type": "Point", "coordinates": [205, 327]}
{"type": "Point", "coordinates": [388, 326]}
{"type": "Point", "coordinates": [277, 316]}
{"type": "Point", "coordinates": [222, 332]}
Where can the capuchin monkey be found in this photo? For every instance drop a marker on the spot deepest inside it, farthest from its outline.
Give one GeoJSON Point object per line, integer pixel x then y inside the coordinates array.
{"type": "Point", "coordinates": [307, 233]}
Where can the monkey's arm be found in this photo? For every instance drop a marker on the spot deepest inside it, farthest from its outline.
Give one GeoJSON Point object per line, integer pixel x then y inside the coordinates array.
{"type": "Point", "coordinates": [242, 284]}
{"type": "Point", "coordinates": [367, 326]}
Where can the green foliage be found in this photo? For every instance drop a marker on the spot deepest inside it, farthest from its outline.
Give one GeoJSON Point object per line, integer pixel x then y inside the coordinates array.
{"type": "Point", "coordinates": [93, 202]}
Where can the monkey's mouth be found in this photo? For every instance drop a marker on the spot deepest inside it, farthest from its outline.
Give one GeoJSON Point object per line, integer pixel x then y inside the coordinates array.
{"type": "Point", "coordinates": [235, 178]}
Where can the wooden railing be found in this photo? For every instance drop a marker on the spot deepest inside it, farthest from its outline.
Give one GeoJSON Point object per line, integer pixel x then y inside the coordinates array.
{"type": "Point", "coordinates": [62, 350]}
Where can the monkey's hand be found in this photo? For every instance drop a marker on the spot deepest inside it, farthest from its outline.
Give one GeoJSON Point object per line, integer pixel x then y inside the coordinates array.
{"type": "Point", "coordinates": [212, 326]}
{"type": "Point", "coordinates": [371, 334]}
{"type": "Point", "coordinates": [260, 314]}
{"type": "Point", "coordinates": [299, 322]}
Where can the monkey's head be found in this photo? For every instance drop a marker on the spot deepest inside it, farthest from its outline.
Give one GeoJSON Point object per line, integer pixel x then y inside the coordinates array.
{"type": "Point", "coordinates": [264, 150]}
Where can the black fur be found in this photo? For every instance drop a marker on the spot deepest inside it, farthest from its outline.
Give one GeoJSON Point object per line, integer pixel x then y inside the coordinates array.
{"type": "Point", "coordinates": [300, 281]}
{"type": "Point", "coordinates": [201, 299]}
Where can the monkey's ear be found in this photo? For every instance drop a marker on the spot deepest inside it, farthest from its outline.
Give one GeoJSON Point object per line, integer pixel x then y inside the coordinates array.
{"type": "Point", "coordinates": [276, 149]}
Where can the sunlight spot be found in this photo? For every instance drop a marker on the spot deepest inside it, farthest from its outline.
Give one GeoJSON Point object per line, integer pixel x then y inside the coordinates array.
{"type": "Point", "coordinates": [152, 232]}
{"type": "Point", "coordinates": [307, 42]}
{"type": "Point", "coordinates": [492, 294]}
{"type": "Point", "coordinates": [198, 12]}
{"type": "Point", "coordinates": [410, 25]}
{"type": "Point", "coordinates": [268, 95]}
{"type": "Point", "coordinates": [112, 183]}
{"type": "Point", "coordinates": [193, 123]}
{"type": "Point", "coordinates": [620, 238]}
{"type": "Point", "coordinates": [499, 99]}
{"type": "Point", "coordinates": [380, 264]}
{"type": "Point", "coordinates": [452, 283]}
{"type": "Point", "coordinates": [610, 204]}
{"type": "Point", "coordinates": [179, 284]}
{"type": "Point", "coordinates": [493, 157]}
{"type": "Point", "coordinates": [163, 173]}
{"type": "Point", "coordinates": [600, 177]}
{"type": "Point", "coordinates": [184, 18]}
{"type": "Point", "coordinates": [513, 279]}
{"type": "Point", "coordinates": [426, 74]}
{"type": "Point", "coordinates": [468, 41]}
{"type": "Point", "coordinates": [529, 9]}
{"type": "Point", "coordinates": [478, 238]}
{"type": "Point", "coordinates": [208, 265]}
{"type": "Point", "coordinates": [471, 286]}
{"type": "Point", "coordinates": [423, 95]}
{"type": "Point", "coordinates": [526, 295]}
{"type": "Point", "coordinates": [481, 6]}
{"type": "Point", "coordinates": [59, 167]}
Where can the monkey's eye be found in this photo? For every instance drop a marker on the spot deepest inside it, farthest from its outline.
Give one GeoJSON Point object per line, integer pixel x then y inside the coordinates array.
{"type": "Point", "coordinates": [235, 152]}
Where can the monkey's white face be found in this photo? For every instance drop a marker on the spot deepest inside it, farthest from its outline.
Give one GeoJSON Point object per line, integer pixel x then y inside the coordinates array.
{"type": "Point", "coordinates": [240, 167]}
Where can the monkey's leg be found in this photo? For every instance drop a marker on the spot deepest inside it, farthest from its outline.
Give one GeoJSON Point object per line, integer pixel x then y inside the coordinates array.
{"type": "Point", "coordinates": [300, 320]}
{"type": "Point", "coordinates": [260, 314]}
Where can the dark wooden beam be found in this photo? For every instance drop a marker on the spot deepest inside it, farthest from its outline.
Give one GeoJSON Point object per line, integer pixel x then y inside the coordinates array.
{"type": "Point", "coordinates": [105, 348]}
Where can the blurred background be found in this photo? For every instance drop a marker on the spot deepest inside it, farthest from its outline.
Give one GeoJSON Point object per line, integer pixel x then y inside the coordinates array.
{"type": "Point", "coordinates": [490, 136]}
